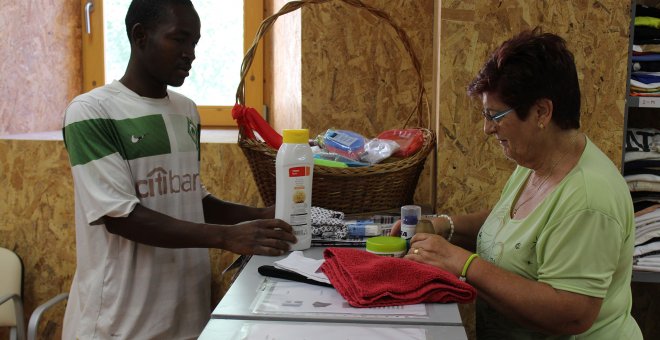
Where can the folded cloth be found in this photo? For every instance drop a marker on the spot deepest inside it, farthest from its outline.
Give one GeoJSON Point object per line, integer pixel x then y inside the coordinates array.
{"type": "Point", "coordinates": [328, 224]}
{"type": "Point", "coordinates": [369, 280]}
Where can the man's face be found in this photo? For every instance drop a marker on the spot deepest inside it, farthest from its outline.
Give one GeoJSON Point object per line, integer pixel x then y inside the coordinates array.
{"type": "Point", "coordinates": [170, 46]}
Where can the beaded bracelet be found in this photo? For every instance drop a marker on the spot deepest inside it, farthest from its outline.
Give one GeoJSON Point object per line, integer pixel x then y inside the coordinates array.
{"type": "Point", "coordinates": [466, 266]}
{"type": "Point", "coordinates": [451, 226]}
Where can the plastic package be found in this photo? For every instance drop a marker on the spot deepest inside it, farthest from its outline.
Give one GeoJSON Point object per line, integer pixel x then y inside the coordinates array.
{"type": "Point", "coordinates": [346, 143]}
{"type": "Point", "coordinates": [409, 140]}
{"type": "Point", "coordinates": [377, 150]}
{"type": "Point", "coordinates": [294, 168]}
{"type": "Point", "coordinates": [337, 158]}
{"type": "Point", "coordinates": [363, 228]}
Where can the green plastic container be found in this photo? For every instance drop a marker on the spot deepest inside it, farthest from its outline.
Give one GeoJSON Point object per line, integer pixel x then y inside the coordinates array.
{"type": "Point", "coordinates": [387, 246]}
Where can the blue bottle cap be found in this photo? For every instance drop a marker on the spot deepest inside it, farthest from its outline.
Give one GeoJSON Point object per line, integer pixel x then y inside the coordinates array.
{"type": "Point", "coordinates": [410, 220]}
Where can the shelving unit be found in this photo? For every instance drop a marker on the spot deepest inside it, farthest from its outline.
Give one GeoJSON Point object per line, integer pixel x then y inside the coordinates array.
{"type": "Point", "coordinates": [639, 111]}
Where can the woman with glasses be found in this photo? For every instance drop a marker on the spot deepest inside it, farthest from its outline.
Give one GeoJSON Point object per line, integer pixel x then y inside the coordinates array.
{"type": "Point", "coordinates": [552, 258]}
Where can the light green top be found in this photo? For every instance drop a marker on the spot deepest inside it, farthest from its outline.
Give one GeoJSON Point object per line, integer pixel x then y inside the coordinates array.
{"type": "Point", "coordinates": [578, 239]}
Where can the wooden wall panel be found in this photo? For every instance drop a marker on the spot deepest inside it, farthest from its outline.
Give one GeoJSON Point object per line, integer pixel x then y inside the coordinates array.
{"type": "Point", "coordinates": [37, 215]}
{"type": "Point", "coordinates": [40, 63]}
{"type": "Point", "coordinates": [471, 166]}
{"type": "Point", "coordinates": [356, 73]}
{"type": "Point", "coordinates": [282, 70]}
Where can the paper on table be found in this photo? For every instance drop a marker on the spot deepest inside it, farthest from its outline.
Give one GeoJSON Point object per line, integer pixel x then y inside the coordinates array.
{"type": "Point", "coordinates": [290, 297]}
{"type": "Point", "coordinates": [275, 331]}
{"type": "Point", "coordinates": [298, 263]}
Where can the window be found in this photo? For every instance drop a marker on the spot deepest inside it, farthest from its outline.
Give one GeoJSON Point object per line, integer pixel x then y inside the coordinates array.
{"type": "Point", "coordinates": [228, 28]}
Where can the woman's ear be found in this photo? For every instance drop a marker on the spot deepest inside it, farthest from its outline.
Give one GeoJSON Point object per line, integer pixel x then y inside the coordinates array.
{"type": "Point", "coordinates": [543, 112]}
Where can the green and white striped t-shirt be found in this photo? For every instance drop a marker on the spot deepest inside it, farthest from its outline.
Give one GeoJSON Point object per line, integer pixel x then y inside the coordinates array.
{"type": "Point", "coordinates": [125, 149]}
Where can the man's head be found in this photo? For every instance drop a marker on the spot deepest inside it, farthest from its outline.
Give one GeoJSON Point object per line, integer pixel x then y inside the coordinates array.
{"type": "Point", "coordinates": [163, 35]}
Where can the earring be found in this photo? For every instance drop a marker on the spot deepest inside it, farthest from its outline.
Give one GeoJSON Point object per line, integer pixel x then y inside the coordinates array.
{"type": "Point", "coordinates": [541, 126]}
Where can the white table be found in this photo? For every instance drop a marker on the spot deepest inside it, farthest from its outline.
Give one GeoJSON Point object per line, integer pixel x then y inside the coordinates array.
{"type": "Point", "coordinates": [294, 330]}
{"type": "Point", "coordinates": [238, 302]}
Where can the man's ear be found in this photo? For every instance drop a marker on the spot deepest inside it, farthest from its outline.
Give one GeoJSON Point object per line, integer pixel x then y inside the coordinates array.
{"type": "Point", "coordinates": [139, 35]}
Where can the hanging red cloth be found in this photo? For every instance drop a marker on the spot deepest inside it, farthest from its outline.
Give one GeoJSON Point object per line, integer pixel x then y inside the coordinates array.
{"type": "Point", "coordinates": [250, 121]}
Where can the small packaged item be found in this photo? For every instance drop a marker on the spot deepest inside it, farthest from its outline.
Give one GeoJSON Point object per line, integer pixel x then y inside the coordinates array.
{"type": "Point", "coordinates": [362, 228]}
{"type": "Point", "coordinates": [409, 140]}
{"type": "Point", "coordinates": [376, 150]}
{"type": "Point", "coordinates": [329, 156]}
{"type": "Point", "coordinates": [346, 143]}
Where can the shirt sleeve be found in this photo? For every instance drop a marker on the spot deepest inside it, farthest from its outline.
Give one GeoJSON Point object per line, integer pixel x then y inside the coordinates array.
{"type": "Point", "coordinates": [101, 176]}
{"type": "Point", "coordinates": [580, 253]}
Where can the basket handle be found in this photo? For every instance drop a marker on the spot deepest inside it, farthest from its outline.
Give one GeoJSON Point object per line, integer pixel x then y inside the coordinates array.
{"type": "Point", "coordinates": [294, 5]}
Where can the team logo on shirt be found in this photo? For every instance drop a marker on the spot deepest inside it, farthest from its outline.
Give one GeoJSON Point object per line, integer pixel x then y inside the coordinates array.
{"type": "Point", "coordinates": [193, 131]}
{"type": "Point", "coordinates": [163, 182]}
{"type": "Point", "coordinates": [136, 139]}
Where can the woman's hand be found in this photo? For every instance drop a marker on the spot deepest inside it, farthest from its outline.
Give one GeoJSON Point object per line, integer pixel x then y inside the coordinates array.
{"type": "Point", "coordinates": [436, 251]}
{"type": "Point", "coordinates": [396, 229]}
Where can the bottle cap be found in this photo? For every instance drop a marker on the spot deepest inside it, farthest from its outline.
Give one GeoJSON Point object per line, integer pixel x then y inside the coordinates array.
{"type": "Point", "coordinates": [295, 136]}
{"type": "Point", "coordinates": [410, 220]}
{"type": "Point", "coordinates": [386, 244]}
{"type": "Point", "coordinates": [411, 210]}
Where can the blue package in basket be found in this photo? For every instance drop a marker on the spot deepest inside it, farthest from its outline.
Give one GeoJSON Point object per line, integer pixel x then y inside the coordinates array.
{"type": "Point", "coordinates": [346, 143]}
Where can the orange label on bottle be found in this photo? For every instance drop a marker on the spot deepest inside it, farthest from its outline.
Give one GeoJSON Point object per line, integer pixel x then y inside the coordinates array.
{"type": "Point", "coordinates": [299, 171]}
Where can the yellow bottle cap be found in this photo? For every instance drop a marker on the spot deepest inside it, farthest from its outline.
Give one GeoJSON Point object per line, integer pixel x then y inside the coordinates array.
{"type": "Point", "coordinates": [295, 136]}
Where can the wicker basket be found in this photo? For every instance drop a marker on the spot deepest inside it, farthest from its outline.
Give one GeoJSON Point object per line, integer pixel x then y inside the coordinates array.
{"type": "Point", "coordinates": [369, 189]}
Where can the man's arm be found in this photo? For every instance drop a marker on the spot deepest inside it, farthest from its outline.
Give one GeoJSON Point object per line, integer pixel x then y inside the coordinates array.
{"type": "Point", "coordinates": [222, 212]}
{"type": "Point", "coordinates": [260, 237]}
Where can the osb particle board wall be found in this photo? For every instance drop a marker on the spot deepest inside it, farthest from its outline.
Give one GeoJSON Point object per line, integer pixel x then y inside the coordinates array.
{"type": "Point", "coordinates": [471, 166]}
{"type": "Point", "coordinates": [357, 74]}
{"type": "Point", "coordinates": [37, 217]}
{"type": "Point", "coordinates": [39, 54]}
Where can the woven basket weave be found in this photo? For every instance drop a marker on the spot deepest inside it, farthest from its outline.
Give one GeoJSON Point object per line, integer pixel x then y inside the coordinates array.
{"type": "Point", "coordinates": [369, 189]}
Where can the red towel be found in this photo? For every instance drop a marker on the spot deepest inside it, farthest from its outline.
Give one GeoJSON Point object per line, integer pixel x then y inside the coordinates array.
{"type": "Point", "coordinates": [250, 120]}
{"type": "Point", "coordinates": [369, 280]}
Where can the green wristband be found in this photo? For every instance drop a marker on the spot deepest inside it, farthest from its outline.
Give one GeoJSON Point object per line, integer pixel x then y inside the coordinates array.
{"type": "Point", "coordinates": [467, 265]}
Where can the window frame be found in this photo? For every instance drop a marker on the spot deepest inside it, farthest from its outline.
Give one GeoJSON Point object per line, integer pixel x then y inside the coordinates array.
{"type": "Point", "coordinates": [93, 70]}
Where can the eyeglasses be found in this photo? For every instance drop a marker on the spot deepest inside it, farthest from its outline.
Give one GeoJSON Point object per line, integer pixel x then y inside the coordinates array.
{"type": "Point", "coordinates": [497, 116]}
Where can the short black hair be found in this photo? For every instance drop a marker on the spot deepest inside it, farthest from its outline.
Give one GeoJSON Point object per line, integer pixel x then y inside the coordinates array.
{"type": "Point", "coordinates": [148, 12]}
{"type": "Point", "coordinates": [531, 66]}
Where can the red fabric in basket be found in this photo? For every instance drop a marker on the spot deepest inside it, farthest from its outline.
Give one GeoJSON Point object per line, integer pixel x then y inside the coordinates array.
{"type": "Point", "coordinates": [250, 121]}
{"type": "Point", "coordinates": [369, 280]}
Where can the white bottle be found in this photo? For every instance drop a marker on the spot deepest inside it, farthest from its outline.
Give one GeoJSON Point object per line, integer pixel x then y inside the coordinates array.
{"type": "Point", "coordinates": [410, 215]}
{"type": "Point", "coordinates": [294, 168]}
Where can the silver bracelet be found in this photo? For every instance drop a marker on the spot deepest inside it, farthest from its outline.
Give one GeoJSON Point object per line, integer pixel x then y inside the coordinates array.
{"type": "Point", "coordinates": [451, 226]}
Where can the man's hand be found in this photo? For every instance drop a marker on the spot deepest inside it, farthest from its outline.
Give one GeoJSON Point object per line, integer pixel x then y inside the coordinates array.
{"type": "Point", "coordinates": [271, 237]}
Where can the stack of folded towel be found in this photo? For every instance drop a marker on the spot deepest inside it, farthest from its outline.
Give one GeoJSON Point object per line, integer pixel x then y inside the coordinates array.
{"type": "Point", "coordinates": [645, 77]}
{"type": "Point", "coordinates": [368, 280]}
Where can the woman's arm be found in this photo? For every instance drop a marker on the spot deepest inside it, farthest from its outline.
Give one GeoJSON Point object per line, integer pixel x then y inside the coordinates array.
{"type": "Point", "coordinates": [466, 228]}
{"type": "Point", "coordinates": [533, 304]}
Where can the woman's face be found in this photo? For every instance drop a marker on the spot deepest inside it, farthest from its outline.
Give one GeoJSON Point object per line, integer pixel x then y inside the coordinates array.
{"type": "Point", "coordinates": [516, 137]}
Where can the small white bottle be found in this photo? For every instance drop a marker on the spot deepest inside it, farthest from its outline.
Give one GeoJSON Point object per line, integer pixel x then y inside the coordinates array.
{"type": "Point", "coordinates": [410, 215]}
{"type": "Point", "coordinates": [294, 169]}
